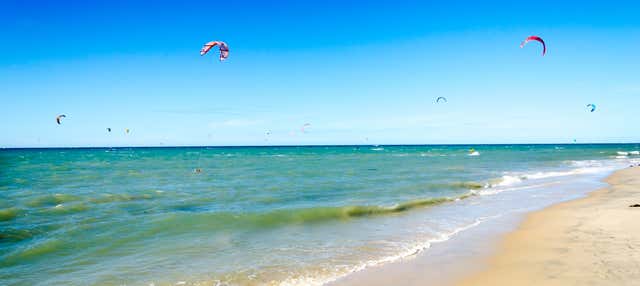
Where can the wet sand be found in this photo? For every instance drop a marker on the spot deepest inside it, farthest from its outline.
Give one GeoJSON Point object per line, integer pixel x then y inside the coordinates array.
{"type": "Point", "coordinates": [442, 263]}
{"type": "Point", "coordinates": [590, 241]}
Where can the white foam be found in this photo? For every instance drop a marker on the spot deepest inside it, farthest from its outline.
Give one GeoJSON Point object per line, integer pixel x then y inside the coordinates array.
{"type": "Point", "coordinates": [474, 153]}
{"type": "Point", "coordinates": [509, 180]}
{"type": "Point", "coordinates": [512, 181]}
{"type": "Point", "coordinates": [585, 167]}
{"type": "Point", "coordinates": [493, 191]}
{"type": "Point", "coordinates": [488, 192]}
{"type": "Point", "coordinates": [578, 171]}
{"type": "Point", "coordinates": [585, 163]}
{"type": "Point", "coordinates": [634, 152]}
{"type": "Point", "coordinates": [621, 153]}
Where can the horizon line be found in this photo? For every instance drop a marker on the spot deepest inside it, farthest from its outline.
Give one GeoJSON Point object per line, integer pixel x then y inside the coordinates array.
{"type": "Point", "coordinates": [316, 145]}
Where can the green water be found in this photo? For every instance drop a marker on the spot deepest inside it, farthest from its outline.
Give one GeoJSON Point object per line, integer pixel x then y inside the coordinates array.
{"type": "Point", "coordinates": [254, 215]}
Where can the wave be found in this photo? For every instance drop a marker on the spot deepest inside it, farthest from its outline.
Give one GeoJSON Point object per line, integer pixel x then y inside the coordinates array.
{"type": "Point", "coordinates": [506, 182]}
{"type": "Point", "coordinates": [513, 179]}
{"type": "Point", "coordinates": [627, 153]}
{"type": "Point", "coordinates": [468, 185]}
{"type": "Point", "coordinates": [578, 171]}
{"type": "Point", "coordinates": [216, 220]}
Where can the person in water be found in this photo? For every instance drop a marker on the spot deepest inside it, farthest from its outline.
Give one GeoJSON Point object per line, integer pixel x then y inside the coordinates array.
{"type": "Point", "coordinates": [197, 171]}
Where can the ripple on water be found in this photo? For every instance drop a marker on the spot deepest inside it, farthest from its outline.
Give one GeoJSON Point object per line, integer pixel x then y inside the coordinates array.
{"type": "Point", "coordinates": [9, 214]}
{"type": "Point", "coordinates": [61, 209]}
{"type": "Point", "coordinates": [33, 251]}
{"type": "Point", "coordinates": [17, 235]}
{"type": "Point", "coordinates": [51, 200]}
{"type": "Point", "coordinates": [111, 198]}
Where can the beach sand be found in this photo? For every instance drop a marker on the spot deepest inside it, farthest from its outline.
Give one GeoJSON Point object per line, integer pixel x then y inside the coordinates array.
{"type": "Point", "coordinates": [594, 240]}
{"type": "Point", "coordinates": [590, 241]}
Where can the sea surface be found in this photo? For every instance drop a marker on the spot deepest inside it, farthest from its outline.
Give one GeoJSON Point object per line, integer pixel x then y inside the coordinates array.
{"type": "Point", "coordinates": [265, 215]}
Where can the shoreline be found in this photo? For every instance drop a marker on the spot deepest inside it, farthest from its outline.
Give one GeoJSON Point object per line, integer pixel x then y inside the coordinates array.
{"type": "Point", "coordinates": [484, 255]}
{"type": "Point", "coordinates": [593, 240]}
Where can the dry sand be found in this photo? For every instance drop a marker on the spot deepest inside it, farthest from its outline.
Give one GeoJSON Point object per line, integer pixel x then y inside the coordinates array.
{"type": "Point", "coordinates": [590, 241]}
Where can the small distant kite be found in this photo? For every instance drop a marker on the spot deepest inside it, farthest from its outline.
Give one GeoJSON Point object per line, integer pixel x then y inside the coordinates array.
{"type": "Point", "coordinates": [126, 130]}
{"type": "Point", "coordinates": [108, 129]}
{"type": "Point", "coordinates": [59, 118]}
{"type": "Point", "coordinates": [592, 107]}
{"type": "Point", "coordinates": [303, 129]}
{"type": "Point", "coordinates": [224, 49]}
{"type": "Point", "coordinates": [441, 98]}
{"type": "Point", "coordinates": [535, 38]}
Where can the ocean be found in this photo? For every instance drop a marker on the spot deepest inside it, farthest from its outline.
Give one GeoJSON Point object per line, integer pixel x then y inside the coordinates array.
{"type": "Point", "coordinates": [266, 215]}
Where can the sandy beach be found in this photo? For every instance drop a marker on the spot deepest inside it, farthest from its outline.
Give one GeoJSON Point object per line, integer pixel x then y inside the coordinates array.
{"type": "Point", "coordinates": [589, 241]}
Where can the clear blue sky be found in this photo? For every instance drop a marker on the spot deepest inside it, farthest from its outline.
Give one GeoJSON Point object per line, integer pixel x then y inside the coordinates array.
{"type": "Point", "coordinates": [356, 70]}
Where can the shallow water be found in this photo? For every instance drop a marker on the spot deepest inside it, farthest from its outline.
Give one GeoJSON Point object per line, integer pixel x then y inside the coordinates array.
{"type": "Point", "coordinates": [264, 215]}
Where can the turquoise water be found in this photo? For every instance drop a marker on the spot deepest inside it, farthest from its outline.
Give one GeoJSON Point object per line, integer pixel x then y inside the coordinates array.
{"type": "Point", "coordinates": [263, 215]}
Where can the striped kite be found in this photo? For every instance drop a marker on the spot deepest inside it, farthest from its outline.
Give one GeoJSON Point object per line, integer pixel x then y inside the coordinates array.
{"type": "Point", "coordinates": [224, 49]}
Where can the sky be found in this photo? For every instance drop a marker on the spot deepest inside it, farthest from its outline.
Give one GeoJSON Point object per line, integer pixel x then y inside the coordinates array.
{"type": "Point", "coordinates": [359, 72]}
